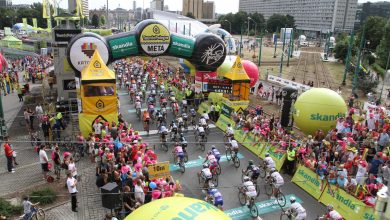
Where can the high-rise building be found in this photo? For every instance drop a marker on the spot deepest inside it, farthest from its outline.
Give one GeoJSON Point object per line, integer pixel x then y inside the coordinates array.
{"type": "Point", "coordinates": [193, 6]}
{"type": "Point", "coordinates": [134, 5]}
{"type": "Point", "coordinates": [84, 4]}
{"type": "Point", "coordinates": [5, 3]}
{"type": "Point", "coordinates": [208, 10]}
{"type": "Point", "coordinates": [157, 5]}
{"type": "Point", "coordinates": [309, 15]}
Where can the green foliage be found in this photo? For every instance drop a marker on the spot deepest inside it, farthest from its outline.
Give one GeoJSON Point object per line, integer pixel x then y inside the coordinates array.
{"type": "Point", "coordinates": [365, 83]}
{"type": "Point", "coordinates": [102, 20]}
{"type": "Point", "coordinates": [383, 49]}
{"type": "Point", "coordinates": [8, 210]}
{"type": "Point", "coordinates": [341, 50]}
{"type": "Point", "coordinates": [95, 20]}
{"type": "Point", "coordinates": [377, 68]}
{"type": "Point", "coordinates": [277, 21]}
{"type": "Point", "coordinates": [371, 59]}
{"type": "Point", "coordinates": [190, 15]}
{"type": "Point", "coordinates": [239, 21]}
{"type": "Point", "coordinates": [101, 32]}
{"type": "Point", "coordinates": [43, 196]}
{"type": "Point", "coordinates": [373, 33]}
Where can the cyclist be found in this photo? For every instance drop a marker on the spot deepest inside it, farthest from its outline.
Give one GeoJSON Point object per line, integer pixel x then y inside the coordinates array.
{"type": "Point", "coordinates": [163, 101]}
{"type": "Point", "coordinates": [216, 153]}
{"type": "Point", "coordinates": [138, 105]}
{"type": "Point", "coordinates": [178, 152]}
{"type": "Point", "coordinates": [213, 193]}
{"type": "Point", "coordinates": [296, 208]}
{"type": "Point", "coordinates": [213, 162]}
{"type": "Point", "coordinates": [200, 130]}
{"type": "Point", "coordinates": [277, 181]}
{"type": "Point", "coordinates": [150, 100]}
{"type": "Point", "coordinates": [29, 209]}
{"type": "Point", "coordinates": [255, 170]}
{"type": "Point", "coordinates": [175, 106]}
{"type": "Point", "coordinates": [183, 142]}
{"type": "Point", "coordinates": [234, 145]}
{"type": "Point", "coordinates": [206, 116]}
{"type": "Point", "coordinates": [269, 162]}
{"type": "Point", "coordinates": [173, 128]}
{"type": "Point", "coordinates": [164, 132]}
{"type": "Point", "coordinates": [333, 214]}
{"type": "Point", "coordinates": [229, 131]}
{"type": "Point", "coordinates": [184, 104]}
{"type": "Point", "coordinates": [185, 119]}
{"type": "Point", "coordinates": [203, 122]}
{"type": "Point", "coordinates": [180, 122]}
{"type": "Point", "coordinates": [151, 108]}
{"type": "Point", "coordinates": [249, 189]}
{"type": "Point", "coordinates": [146, 117]}
{"type": "Point", "coordinates": [193, 115]}
{"type": "Point", "coordinates": [206, 175]}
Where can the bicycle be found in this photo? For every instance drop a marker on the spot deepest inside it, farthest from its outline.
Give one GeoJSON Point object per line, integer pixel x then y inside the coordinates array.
{"type": "Point", "coordinates": [254, 181]}
{"type": "Point", "coordinates": [164, 144]}
{"type": "Point", "coordinates": [242, 199]}
{"type": "Point", "coordinates": [38, 214]}
{"type": "Point", "coordinates": [214, 180]}
{"type": "Point", "coordinates": [202, 140]}
{"type": "Point", "coordinates": [269, 188]}
{"type": "Point", "coordinates": [231, 155]}
{"type": "Point", "coordinates": [287, 215]}
{"type": "Point", "coordinates": [138, 112]}
{"type": "Point", "coordinates": [263, 170]}
{"type": "Point", "coordinates": [146, 126]}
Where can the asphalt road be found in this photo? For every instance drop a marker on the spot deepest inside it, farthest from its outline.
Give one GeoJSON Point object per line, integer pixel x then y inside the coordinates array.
{"type": "Point", "coordinates": [230, 177]}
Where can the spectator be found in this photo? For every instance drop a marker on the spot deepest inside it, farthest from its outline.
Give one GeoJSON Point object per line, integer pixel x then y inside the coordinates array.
{"type": "Point", "coordinates": [9, 155]}
{"type": "Point", "coordinates": [44, 161]}
{"type": "Point", "coordinates": [375, 166]}
{"type": "Point", "coordinates": [71, 183]}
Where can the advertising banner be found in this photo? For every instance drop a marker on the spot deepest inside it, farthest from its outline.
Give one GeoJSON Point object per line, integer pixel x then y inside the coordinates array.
{"type": "Point", "coordinates": [279, 158]}
{"type": "Point", "coordinates": [99, 105]}
{"type": "Point", "coordinates": [308, 181]}
{"type": "Point", "coordinates": [369, 214]}
{"type": "Point", "coordinates": [86, 121]}
{"type": "Point", "coordinates": [252, 145]}
{"type": "Point", "coordinates": [202, 78]}
{"type": "Point", "coordinates": [238, 106]}
{"type": "Point", "coordinates": [226, 110]}
{"type": "Point", "coordinates": [345, 204]}
{"type": "Point", "coordinates": [24, 20]}
{"type": "Point", "coordinates": [159, 170]}
{"type": "Point", "coordinates": [123, 47]}
{"type": "Point", "coordinates": [223, 121]}
{"type": "Point", "coordinates": [69, 84]}
{"type": "Point", "coordinates": [220, 86]}
{"type": "Point", "coordinates": [182, 45]}
{"type": "Point", "coordinates": [65, 35]}
{"type": "Point", "coordinates": [204, 106]}
{"type": "Point", "coordinates": [35, 23]}
{"type": "Point", "coordinates": [155, 39]}
{"type": "Point", "coordinates": [286, 82]}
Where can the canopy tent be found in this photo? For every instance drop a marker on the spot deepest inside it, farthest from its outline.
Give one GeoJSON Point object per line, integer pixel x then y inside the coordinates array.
{"type": "Point", "coordinates": [240, 81]}
{"type": "Point", "coordinates": [11, 41]}
{"type": "Point", "coordinates": [97, 71]}
{"type": "Point", "coordinates": [19, 26]}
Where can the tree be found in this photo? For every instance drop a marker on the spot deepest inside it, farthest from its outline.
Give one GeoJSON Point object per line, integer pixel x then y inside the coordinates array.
{"type": "Point", "coordinates": [102, 20]}
{"type": "Point", "coordinates": [341, 48]}
{"type": "Point", "coordinates": [86, 21]}
{"type": "Point", "coordinates": [95, 20]}
{"type": "Point", "coordinates": [190, 15]}
{"type": "Point", "coordinates": [384, 46]}
{"type": "Point", "coordinates": [373, 31]}
{"type": "Point", "coordinates": [277, 21]}
{"type": "Point", "coordinates": [290, 21]}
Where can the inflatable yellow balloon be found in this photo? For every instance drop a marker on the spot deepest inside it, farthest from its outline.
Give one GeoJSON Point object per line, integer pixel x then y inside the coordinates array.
{"type": "Point", "coordinates": [177, 208]}
{"type": "Point", "coordinates": [318, 108]}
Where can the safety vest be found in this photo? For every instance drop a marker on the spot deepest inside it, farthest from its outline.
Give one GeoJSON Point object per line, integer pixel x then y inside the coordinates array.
{"type": "Point", "coordinates": [217, 108]}
{"type": "Point", "coordinates": [59, 115]}
{"type": "Point", "coordinates": [290, 155]}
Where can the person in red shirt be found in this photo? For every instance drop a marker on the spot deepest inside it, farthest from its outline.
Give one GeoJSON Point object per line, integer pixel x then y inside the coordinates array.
{"type": "Point", "coordinates": [8, 153]}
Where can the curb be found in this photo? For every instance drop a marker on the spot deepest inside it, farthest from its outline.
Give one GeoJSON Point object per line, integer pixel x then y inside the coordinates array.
{"type": "Point", "coordinates": [56, 205]}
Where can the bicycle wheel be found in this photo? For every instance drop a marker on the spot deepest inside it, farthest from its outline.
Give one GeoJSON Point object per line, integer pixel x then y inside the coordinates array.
{"type": "Point", "coordinates": [164, 147]}
{"type": "Point", "coordinates": [185, 157]}
{"type": "Point", "coordinates": [215, 180]}
{"type": "Point", "coordinates": [236, 161]}
{"type": "Point", "coordinates": [218, 170]}
{"type": "Point", "coordinates": [284, 216]}
{"type": "Point", "coordinates": [241, 197]}
{"type": "Point", "coordinates": [182, 167]}
{"type": "Point", "coordinates": [253, 209]}
{"type": "Point", "coordinates": [263, 173]}
{"type": "Point", "coordinates": [268, 189]}
{"type": "Point", "coordinates": [40, 215]}
{"type": "Point", "coordinates": [76, 156]}
{"type": "Point", "coordinates": [202, 146]}
{"type": "Point", "coordinates": [281, 199]}
{"type": "Point", "coordinates": [228, 153]}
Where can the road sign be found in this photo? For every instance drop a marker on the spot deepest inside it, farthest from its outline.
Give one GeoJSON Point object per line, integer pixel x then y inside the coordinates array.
{"type": "Point", "coordinates": [159, 170]}
{"type": "Point", "coordinates": [198, 163]}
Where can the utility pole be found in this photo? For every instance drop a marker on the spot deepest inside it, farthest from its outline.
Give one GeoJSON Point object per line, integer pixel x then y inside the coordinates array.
{"type": "Point", "coordinates": [385, 76]}
{"type": "Point", "coordinates": [107, 18]}
{"type": "Point", "coordinates": [281, 58]}
{"type": "Point", "coordinates": [276, 41]}
{"type": "Point", "coordinates": [357, 67]}
{"type": "Point", "coordinates": [347, 62]}
{"type": "Point", "coordinates": [290, 47]}
{"type": "Point", "coordinates": [260, 48]}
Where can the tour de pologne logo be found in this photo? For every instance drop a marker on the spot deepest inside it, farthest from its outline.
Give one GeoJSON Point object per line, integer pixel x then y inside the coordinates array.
{"type": "Point", "coordinates": [213, 54]}
{"type": "Point", "coordinates": [88, 49]}
{"type": "Point", "coordinates": [97, 64]}
{"type": "Point", "coordinates": [156, 29]}
{"type": "Point", "coordinates": [100, 104]}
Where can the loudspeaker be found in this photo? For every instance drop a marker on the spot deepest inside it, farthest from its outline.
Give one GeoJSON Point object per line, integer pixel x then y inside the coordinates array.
{"type": "Point", "coordinates": [111, 198]}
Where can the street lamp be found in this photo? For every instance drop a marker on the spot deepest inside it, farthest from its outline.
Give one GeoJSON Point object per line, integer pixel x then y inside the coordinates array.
{"type": "Point", "coordinates": [249, 18]}
{"type": "Point", "coordinates": [230, 26]}
{"type": "Point", "coordinates": [241, 45]}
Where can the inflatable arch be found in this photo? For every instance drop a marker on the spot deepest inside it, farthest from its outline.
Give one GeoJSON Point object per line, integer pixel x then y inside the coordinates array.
{"type": "Point", "coordinates": [151, 38]}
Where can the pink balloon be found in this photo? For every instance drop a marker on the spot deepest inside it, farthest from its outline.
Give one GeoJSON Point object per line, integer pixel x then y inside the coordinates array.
{"type": "Point", "coordinates": [251, 70]}
{"type": "Point", "coordinates": [156, 194]}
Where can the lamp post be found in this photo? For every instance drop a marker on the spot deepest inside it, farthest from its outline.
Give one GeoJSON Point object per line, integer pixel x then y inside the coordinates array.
{"type": "Point", "coordinates": [247, 34]}
{"type": "Point", "coordinates": [351, 38]}
{"type": "Point", "coordinates": [385, 77]}
{"type": "Point", "coordinates": [230, 25]}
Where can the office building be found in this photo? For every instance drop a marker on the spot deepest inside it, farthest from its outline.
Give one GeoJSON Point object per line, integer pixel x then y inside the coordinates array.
{"type": "Point", "coordinates": [208, 10]}
{"type": "Point", "coordinates": [193, 6]}
{"type": "Point", "coordinates": [157, 5]}
{"type": "Point", "coordinates": [134, 5]}
{"type": "Point", "coordinates": [84, 4]}
{"type": "Point", "coordinates": [5, 3]}
{"type": "Point", "coordinates": [309, 15]}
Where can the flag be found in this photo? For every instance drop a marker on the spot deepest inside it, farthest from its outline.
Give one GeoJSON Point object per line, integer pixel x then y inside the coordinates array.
{"type": "Point", "coordinates": [48, 25]}
{"type": "Point", "coordinates": [45, 9]}
{"type": "Point", "coordinates": [79, 9]}
{"type": "Point", "coordinates": [55, 8]}
{"type": "Point", "coordinates": [24, 23]}
{"type": "Point", "coordinates": [35, 23]}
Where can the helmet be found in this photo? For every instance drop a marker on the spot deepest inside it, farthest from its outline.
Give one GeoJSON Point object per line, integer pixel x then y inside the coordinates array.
{"type": "Point", "coordinates": [292, 199]}
{"type": "Point", "coordinates": [181, 134]}
{"type": "Point", "coordinates": [246, 179]}
{"type": "Point", "coordinates": [211, 185]}
{"type": "Point", "coordinates": [266, 154]}
{"type": "Point", "coordinates": [272, 170]}
{"type": "Point", "coordinates": [212, 147]}
{"type": "Point", "coordinates": [329, 207]}
{"type": "Point", "coordinates": [205, 165]}
{"type": "Point", "coordinates": [250, 162]}
{"type": "Point", "coordinates": [229, 125]}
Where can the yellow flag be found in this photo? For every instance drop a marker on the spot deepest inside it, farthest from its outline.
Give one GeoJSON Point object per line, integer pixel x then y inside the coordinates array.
{"type": "Point", "coordinates": [48, 25]}
{"type": "Point", "coordinates": [35, 23]}
{"type": "Point", "coordinates": [79, 8]}
{"type": "Point", "coordinates": [24, 23]}
{"type": "Point", "coordinates": [45, 12]}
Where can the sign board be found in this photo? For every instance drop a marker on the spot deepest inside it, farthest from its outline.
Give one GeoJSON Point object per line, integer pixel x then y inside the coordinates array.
{"type": "Point", "coordinates": [123, 47]}
{"type": "Point", "coordinates": [159, 170]}
{"type": "Point", "coordinates": [155, 39]}
{"type": "Point", "coordinates": [65, 35]}
{"type": "Point", "coordinates": [182, 46]}
{"type": "Point", "coordinates": [219, 85]}
{"type": "Point", "coordinates": [308, 181]}
{"type": "Point", "coordinates": [287, 82]}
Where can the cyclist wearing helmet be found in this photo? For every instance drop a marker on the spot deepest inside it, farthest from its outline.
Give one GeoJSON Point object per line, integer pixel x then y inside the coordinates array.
{"type": "Point", "coordinates": [203, 121]}
{"type": "Point", "coordinates": [212, 160]}
{"type": "Point", "coordinates": [216, 153]}
{"type": "Point", "coordinates": [229, 131]}
{"type": "Point", "coordinates": [297, 208]}
{"type": "Point", "coordinates": [205, 115]}
{"type": "Point", "coordinates": [193, 112]}
{"type": "Point", "coordinates": [333, 214]}
{"type": "Point", "coordinates": [234, 145]}
{"type": "Point", "coordinates": [216, 196]}
{"type": "Point", "coordinates": [269, 162]}
{"type": "Point", "coordinates": [200, 130]}
{"type": "Point", "coordinates": [163, 131]}
{"type": "Point", "coordinates": [183, 141]}
{"type": "Point", "coordinates": [255, 170]}
{"type": "Point", "coordinates": [277, 181]}
{"type": "Point", "coordinates": [249, 189]}
{"type": "Point", "coordinates": [146, 117]}
{"type": "Point", "coordinates": [178, 152]}
{"type": "Point", "coordinates": [206, 175]}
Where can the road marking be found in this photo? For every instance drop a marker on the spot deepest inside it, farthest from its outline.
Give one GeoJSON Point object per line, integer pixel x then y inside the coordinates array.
{"type": "Point", "coordinates": [153, 132]}
{"type": "Point", "coordinates": [197, 163]}
{"type": "Point", "coordinates": [263, 207]}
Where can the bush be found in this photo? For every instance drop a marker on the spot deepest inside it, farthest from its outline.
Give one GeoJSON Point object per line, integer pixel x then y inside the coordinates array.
{"type": "Point", "coordinates": [371, 59]}
{"type": "Point", "coordinates": [377, 68]}
{"type": "Point", "coordinates": [8, 210]}
{"type": "Point", "coordinates": [43, 196]}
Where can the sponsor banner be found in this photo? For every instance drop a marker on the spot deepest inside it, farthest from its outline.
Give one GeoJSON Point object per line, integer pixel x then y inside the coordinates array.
{"type": "Point", "coordinates": [69, 84]}
{"type": "Point", "coordinates": [219, 85]}
{"type": "Point", "coordinates": [238, 106]}
{"type": "Point", "coordinates": [369, 214]}
{"type": "Point", "coordinates": [24, 20]}
{"type": "Point", "coordinates": [278, 157]}
{"type": "Point", "coordinates": [65, 35]}
{"type": "Point", "coordinates": [254, 146]}
{"type": "Point", "coordinates": [86, 121]}
{"type": "Point", "coordinates": [98, 105]}
{"type": "Point", "coordinates": [308, 181]}
{"type": "Point", "coordinates": [223, 121]}
{"type": "Point", "coordinates": [155, 39]}
{"type": "Point", "coordinates": [204, 106]}
{"type": "Point", "coordinates": [181, 46]}
{"type": "Point", "coordinates": [159, 170]}
{"type": "Point", "coordinates": [345, 204]}
{"type": "Point", "coordinates": [35, 23]}
{"type": "Point", "coordinates": [82, 49]}
{"type": "Point", "coordinates": [239, 135]}
{"type": "Point", "coordinates": [226, 110]}
{"type": "Point", "coordinates": [205, 76]}
{"type": "Point", "coordinates": [123, 47]}
{"type": "Point", "coordinates": [287, 82]}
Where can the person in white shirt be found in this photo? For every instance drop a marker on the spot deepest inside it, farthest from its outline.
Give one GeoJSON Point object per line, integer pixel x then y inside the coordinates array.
{"type": "Point", "coordinates": [139, 193]}
{"type": "Point", "coordinates": [229, 131]}
{"type": "Point", "coordinates": [39, 112]}
{"type": "Point", "coordinates": [97, 127]}
{"type": "Point", "coordinates": [361, 172]}
{"type": "Point", "coordinates": [203, 121]}
{"type": "Point", "coordinates": [333, 214]}
{"type": "Point", "coordinates": [28, 208]}
{"type": "Point", "coordinates": [250, 189]}
{"type": "Point", "coordinates": [297, 208]}
{"type": "Point", "coordinates": [205, 115]}
{"type": "Point", "coordinates": [278, 181]}
{"type": "Point", "coordinates": [206, 175]}
{"type": "Point", "coordinates": [43, 160]}
{"type": "Point", "coordinates": [269, 162]}
{"type": "Point", "coordinates": [71, 183]}
{"type": "Point", "coordinates": [72, 168]}
{"type": "Point", "coordinates": [201, 132]}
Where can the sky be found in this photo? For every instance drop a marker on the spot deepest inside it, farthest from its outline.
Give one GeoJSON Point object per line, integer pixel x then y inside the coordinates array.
{"type": "Point", "coordinates": [221, 6]}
